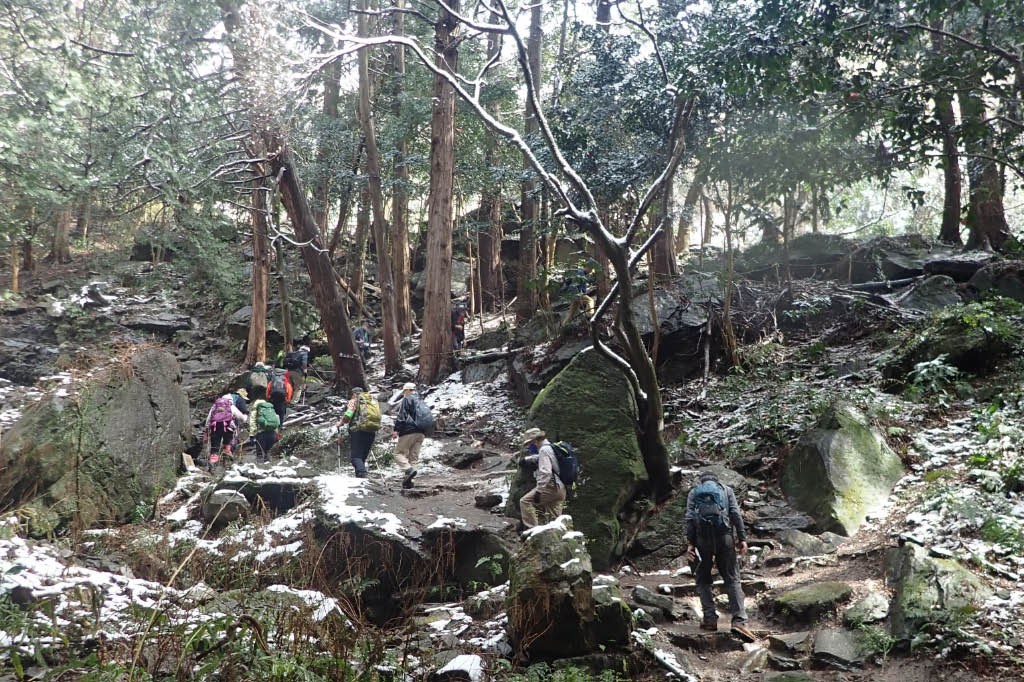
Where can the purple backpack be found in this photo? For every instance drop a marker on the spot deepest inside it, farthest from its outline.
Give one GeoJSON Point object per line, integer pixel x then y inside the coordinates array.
{"type": "Point", "coordinates": [222, 413]}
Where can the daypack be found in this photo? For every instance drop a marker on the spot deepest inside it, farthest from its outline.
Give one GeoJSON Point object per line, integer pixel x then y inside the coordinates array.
{"type": "Point", "coordinates": [710, 505]}
{"type": "Point", "coordinates": [568, 462]}
{"type": "Point", "coordinates": [423, 418]}
{"type": "Point", "coordinates": [221, 414]}
{"type": "Point", "coordinates": [258, 382]}
{"type": "Point", "coordinates": [293, 360]}
{"type": "Point", "coordinates": [278, 387]}
{"type": "Point", "coordinates": [266, 417]}
{"type": "Point", "coordinates": [367, 416]}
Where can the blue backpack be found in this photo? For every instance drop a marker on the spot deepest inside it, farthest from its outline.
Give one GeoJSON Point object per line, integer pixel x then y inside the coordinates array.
{"type": "Point", "coordinates": [568, 462]}
{"type": "Point", "coordinates": [710, 505]}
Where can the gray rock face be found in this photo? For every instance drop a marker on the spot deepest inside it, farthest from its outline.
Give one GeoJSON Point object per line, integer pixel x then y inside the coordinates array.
{"type": "Point", "coordinates": [165, 324]}
{"type": "Point", "coordinates": [841, 470]}
{"type": "Point", "coordinates": [805, 604]}
{"type": "Point", "coordinates": [554, 609]}
{"type": "Point", "coordinates": [870, 608]}
{"type": "Point", "coordinates": [927, 590]}
{"type": "Point", "coordinates": [223, 506]}
{"type": "Point", "coordinates": [793, 644]}
{"type": "Point", "coordinates": [961, 267]}
{"type": "Point", "coordinates": [933, 293]}
{"type": "Point", "coordinates": [805, 544]}
{"type": "Point", "coordinates": [643, 596]}
{"type": "Point", "coordinates": [1000, 278]}
{"type": "Point", "coordinates": [837, 649]}
{"type": "Point", "coordinates": [102, 452]}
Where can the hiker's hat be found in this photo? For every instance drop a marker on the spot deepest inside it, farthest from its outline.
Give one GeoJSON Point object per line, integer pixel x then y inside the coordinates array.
{"type": "Point", "coordinates": [244, 393]}
{"type": "Point", "coordinates": [304, 348]}
{"type": "Point", "coordinates": [532, 435]}
{"type": "Point", "coordinates": [357, 389]}
{"type": "Point", "coordinates": [409, 386]}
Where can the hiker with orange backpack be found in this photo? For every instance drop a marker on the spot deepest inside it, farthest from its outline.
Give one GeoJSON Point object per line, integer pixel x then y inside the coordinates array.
{"type": "Point", "coordinates": [221, 424]}
{"type": "Point", "coordinates": [279, 392]}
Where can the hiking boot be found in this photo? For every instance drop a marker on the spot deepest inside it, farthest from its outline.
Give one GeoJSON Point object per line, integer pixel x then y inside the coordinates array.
{"type": "Point", "coordinates": [409, 475]}
{"type": "Point", "coordinates": [743, 633]}
{"type": "Point", "coordinates": [710, 627]}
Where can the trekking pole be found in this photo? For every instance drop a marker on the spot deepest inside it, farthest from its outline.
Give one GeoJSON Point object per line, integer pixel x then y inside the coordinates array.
{"type": "Point", "coordinates": [380, 469]}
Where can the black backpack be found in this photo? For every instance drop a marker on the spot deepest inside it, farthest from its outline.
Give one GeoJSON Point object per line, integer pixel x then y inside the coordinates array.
{"type": "Point", "coordinates": [712, 513]}
{"type": "Point", "coordinates": [277, 387]}
{"type": "Point", "coordinates": [293, 360]}
{"type": "Point", "coordinates": [568, 462]}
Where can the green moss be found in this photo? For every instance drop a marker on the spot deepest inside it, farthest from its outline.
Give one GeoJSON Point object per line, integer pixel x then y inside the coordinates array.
{"type": "Point", "coordinates": [811, 601]}
{"type": "Point", "coordinates": [591, 405]}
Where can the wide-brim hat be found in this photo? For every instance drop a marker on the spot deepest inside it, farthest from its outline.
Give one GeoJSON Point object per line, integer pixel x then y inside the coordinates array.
{"type": "Point", "coordinates": [244, 393]}
{"type": "Point", "coordinates": [532, 434]}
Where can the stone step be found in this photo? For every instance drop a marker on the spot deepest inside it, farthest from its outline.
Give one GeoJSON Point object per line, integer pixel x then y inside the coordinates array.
{"type": "Point", "coordinates": [751, 588]}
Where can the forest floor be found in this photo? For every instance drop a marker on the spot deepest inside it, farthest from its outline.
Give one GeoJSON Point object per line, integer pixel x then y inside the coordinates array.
{"type": "Point", "coordinates": [747, 420]}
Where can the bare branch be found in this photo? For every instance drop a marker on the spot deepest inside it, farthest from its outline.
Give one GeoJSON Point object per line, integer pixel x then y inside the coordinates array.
{"type": "Point", "coordinates": [110, 53]}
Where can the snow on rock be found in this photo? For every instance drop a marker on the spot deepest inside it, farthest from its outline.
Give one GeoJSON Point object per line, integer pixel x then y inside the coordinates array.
{"type": "Point", "coordinates": [336, 494]}
{"type": "Point", "coordinates": [461, 667]}
{"type": "Point", "coordinates": [321, 604]}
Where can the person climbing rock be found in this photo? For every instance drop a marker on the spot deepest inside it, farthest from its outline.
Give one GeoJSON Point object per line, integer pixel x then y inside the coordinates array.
{"type": "Point", "coordinates": [241, 400]}
{"type": "Point", "coordinates": [279, 393]}
{"type": "Point", "coordinates": [362, 336]}
{"type": "Point", "coordinates": [548, 496]}
{"type": "Point", "coordinates": [264, 428]}
{"type": "Point", "coordinates": [412, 422]}
{"type": "Point", "coordinates": [296, 363]}
{"type": "Point", "coordinates": [362, 415]}
{"type": "Point", "coordinates": [715, 532]}
{"type": "Point", "coordinates": [459, 314]}
{"type": "Point", "coordinates": [221, 424]}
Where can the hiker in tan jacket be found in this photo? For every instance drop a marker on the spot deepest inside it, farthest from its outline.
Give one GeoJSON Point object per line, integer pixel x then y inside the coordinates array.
{"type": "Point", "coordinates": [548, 496]}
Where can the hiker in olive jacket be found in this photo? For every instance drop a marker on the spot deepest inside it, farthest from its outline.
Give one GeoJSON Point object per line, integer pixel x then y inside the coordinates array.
{"type": "Point", "coordinates": [548, 496]}
{"type": "Point", "coordinates": [715, 532]}
{"type": "Point", "coordinates": [359, 440]}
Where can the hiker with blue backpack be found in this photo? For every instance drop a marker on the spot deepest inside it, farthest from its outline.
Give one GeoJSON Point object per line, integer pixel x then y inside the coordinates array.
{"type": "Point", "coordinates": [412, 423]}
{"type": "Point", "coordinates": [715, 531]}
{"type": "Point", "coordinates": [554, 471]}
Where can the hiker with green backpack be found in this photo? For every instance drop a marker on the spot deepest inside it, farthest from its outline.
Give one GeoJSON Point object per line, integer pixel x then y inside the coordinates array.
{"type": "Point", "coordinates": [362, 415]}
{"type": "Point", "coordinates": [715, 531]}
{"type": "Point", "coordinates": [264, 428]}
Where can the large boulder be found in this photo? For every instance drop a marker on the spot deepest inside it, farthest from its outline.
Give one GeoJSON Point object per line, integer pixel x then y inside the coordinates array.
{"type": "Point", "coordinates": [1002, 278]}
{"type": "Point", "coordinates": [934, 293]}
{"type": "Point", "coordinates": [101, 453]}
{"type": "Point", "coordinates": [591, 405]}
{"type": "Point", "coordinates": [552, 605]}
{"type": "Point", "coordinates": [928, 591]}
{"type": "Point", "coordinates": [884, 258]}
{"type": "Point", "coordinates": [973, 337]}
{"type": "Point", "coordinates": [961, 266]}
{"type": "Point", "coordinates": [841, 470]}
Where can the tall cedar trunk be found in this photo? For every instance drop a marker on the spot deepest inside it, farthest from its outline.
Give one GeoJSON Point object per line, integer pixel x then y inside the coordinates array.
{"type": "Point", "coordinates": [665, 263]}
{"type": "Point", "coordinates": [322, 192]}
{"type": "Point", "coordinates": [274, 217]}
{"type": "Point", "coordinates": [345, 203]}
{"type": "Point", "coordinates": [84, 219]}
{"type": "Point", "coordinates": [357, 256]}
{"type": "Point", "coordinates": [348, 367]}
{"type": "Point", "coordinates": [392, 359]}
{"type": "Point", "coordinates": [953, 180]}
{"type": "Point", "coordinates": [790, 208]}
{"type": "Point", "coordinates": [814, 209]}
{"type": "Point", "coordinates": [28, 261]}
{"type": "Point", "coordinates": [604, 13]}
{"type": "Point", "coordinates": [526, 286]}
{"type": "Point", "coordinates": [689, 210]}
{"type": "Point", "coordinates": [491, 276]}
{"type": "Point", "coordinates": [15, 258]}
{"type": "Point", "coordinates": [985, 216]}
{"type": "Point", "coordinates": [709, 220]}
{"type": "Point", "coordinates": [256, 348]}
{"type": "Point", "coordinates": [436, 342]}
{"type": "Point", "coordinates": [60, 251]}
{"type": "Point", "coordinates": [400, 198]}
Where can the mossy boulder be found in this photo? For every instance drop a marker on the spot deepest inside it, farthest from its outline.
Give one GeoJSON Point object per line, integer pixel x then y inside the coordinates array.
{"type": "Point", "coordinates": [973, 337]}
{"type": "Point", "coordinates": [101, 454]}
{"type": "Point", "coordinates": [841, 470]}
{"type": "Point", "coordinates": [928, 591]}
{"type": "Point", "coordinates": [553, 608]}
{"type": "Point", "coordinates": [806, 604]}
{"type": "Point", "coordinates": [591, 405]}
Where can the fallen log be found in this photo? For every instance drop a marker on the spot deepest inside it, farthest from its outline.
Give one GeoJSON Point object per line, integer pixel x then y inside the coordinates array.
{"type": "Point", "coordinates": [887, 285]}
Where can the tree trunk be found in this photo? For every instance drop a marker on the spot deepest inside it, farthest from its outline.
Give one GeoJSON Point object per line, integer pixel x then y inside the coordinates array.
{"type": "Point", "coordinates": [400, 197]}
{"type": "Point", "coordinates": [256, 347]}
{"type": "Point", "coordinates": [357, 256]}
{"type": "Point", "coordinates": [15, 258]}
{"type": "Point", "coordinates": [604, 14]}
{"type": "Point", "coordinates": [28, 261]}
{"type": "Point", "coordinates": [950, 230]}
{"type": "Point", "coordinates": [60, 251]}
{"type": "Point", "coordinates": [526, 289]}
{"type": "Point", "coordinates": [436, 340]}
{"type": "Point", "coordinates": [345, 203]}
{"type": "Point", "coordinates": [392, 355]}
{"type": "Point", "coordinates": [282, 281]}
{"type": "Point", "coordinates": [492, 283]}
{"type": "Point", "coordinates": [348, 366]}
{"type": "Point", "coordinates": [84, 219]}
{"type": "Point", "coordinates": [709, 220]}
{"type": "Point", "coordinates": [322, 193]}
{"type": "Point", "coordinates": [985, 216]}
{"type": "Point", "coordinates": [689, 210]}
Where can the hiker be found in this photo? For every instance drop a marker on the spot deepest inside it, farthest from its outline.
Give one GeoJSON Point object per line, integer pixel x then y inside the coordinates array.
{"type": "Point", "coordinates": [548, 495]}
{"type": "Point", "coordinates": [459, 325]}
{"type": "Point", "coordinates": [296, 363]}
{"type": "Point", "coordinates": [279, 393]}
{"type": "Point", "coordinates": [264, 428]}
{"type": "Point", "coordinates": [715, 532]}
{"type": "Point", "coordinates": [362, 335]}
{"type": "Point", "coordinates": [575, 284]}
{"type": "Point", "coordinates": [241, 401]}
{"type": "Point", "coordinates": [411, 425]}
{"type": "Point", "coordinates": [363, 419]}
{"type": "Point", "coordinates": [257, 379]}
{"type": "Point", "coordinates": [221, 424]}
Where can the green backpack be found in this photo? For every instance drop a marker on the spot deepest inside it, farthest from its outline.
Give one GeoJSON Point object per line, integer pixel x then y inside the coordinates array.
{"type": "Point", "coordinates": [266, 417]}
{"type": "Point", "coordinates": [367, 416]}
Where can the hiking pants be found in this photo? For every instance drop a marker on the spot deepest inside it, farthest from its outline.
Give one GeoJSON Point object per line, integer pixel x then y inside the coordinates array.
{"type": "Point", "coordinates": [550, 506]}
{"type": "Point", "coordinates": [298, 380]}
{"type": "Point", "coordinates": [719, 550]}
{"type": "Point", "coordinates": [220, 437]}
{"type": "Point", "coordinates": [280, 406]}
{"type": "Point", "coordinates": [264, 441]}
{"type": "Point", "coordinates": [360, 442]}
{"type": "Point", "coordinates": [407, 452]}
